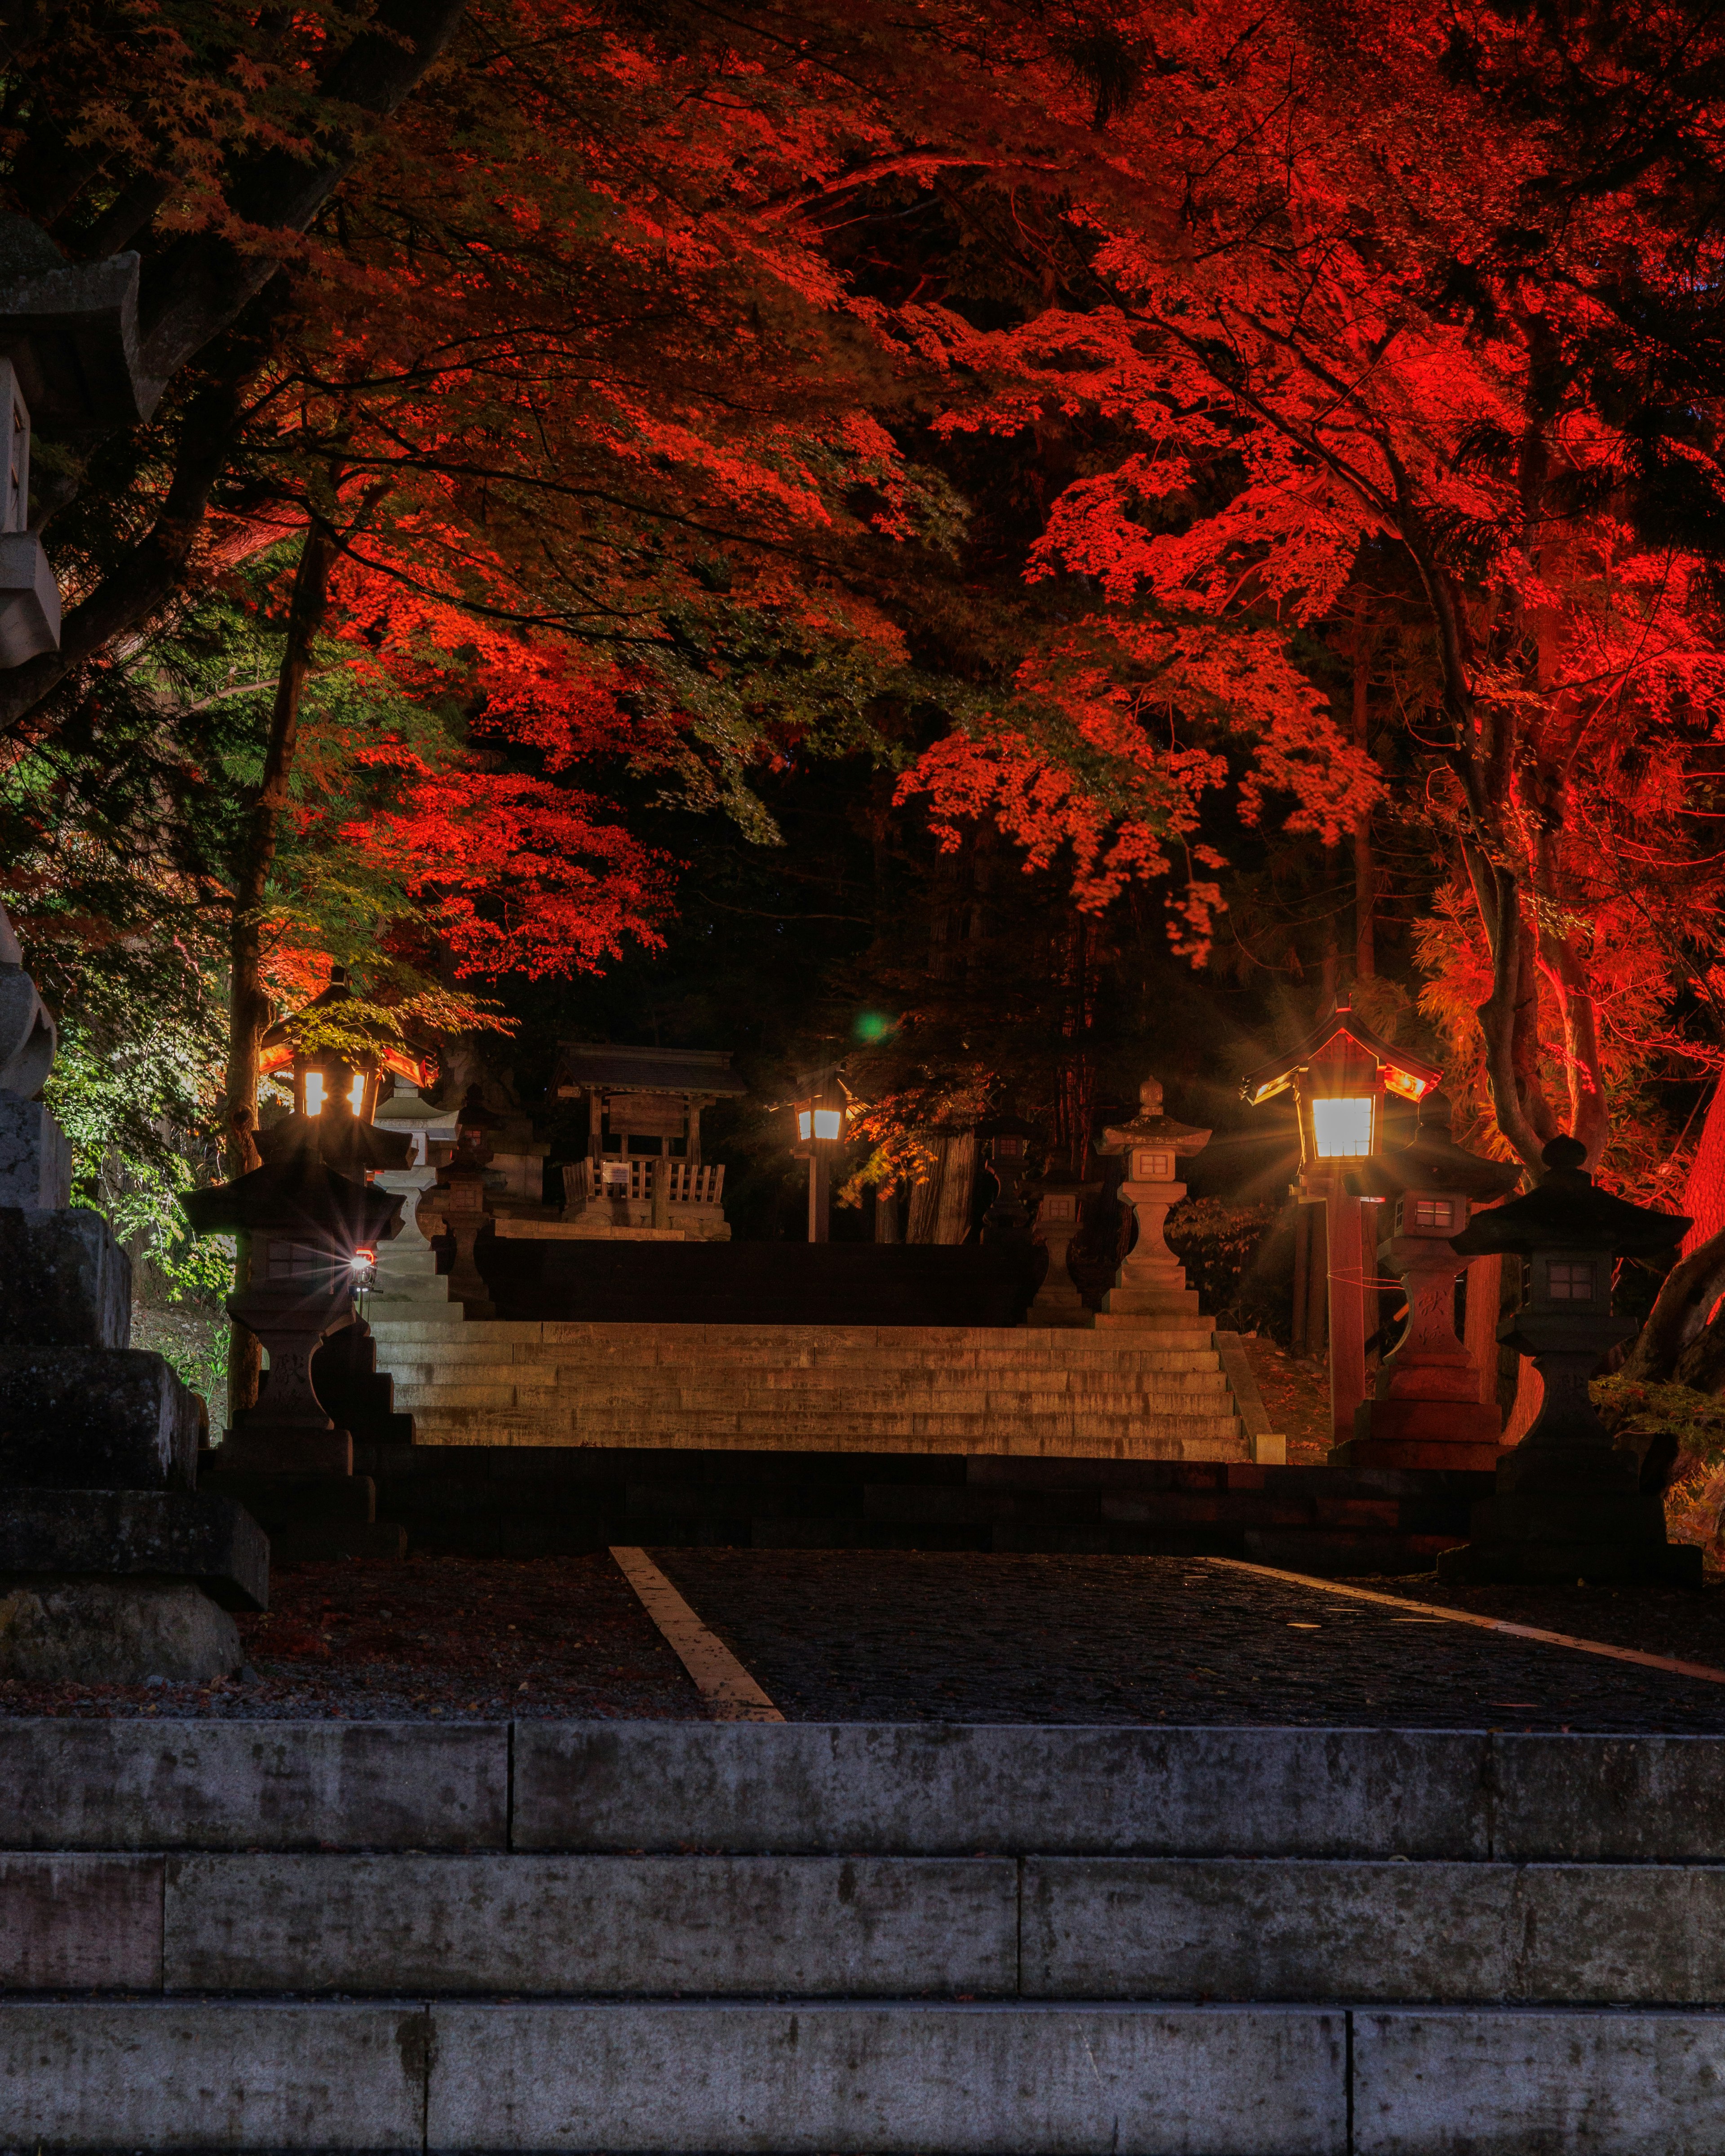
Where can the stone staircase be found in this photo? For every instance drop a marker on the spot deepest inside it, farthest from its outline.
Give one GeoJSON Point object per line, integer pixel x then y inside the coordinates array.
{"type": "Point", "coordinates": [1161, 1395]}
{"type": "Point", "coordinates": [859, 1938]}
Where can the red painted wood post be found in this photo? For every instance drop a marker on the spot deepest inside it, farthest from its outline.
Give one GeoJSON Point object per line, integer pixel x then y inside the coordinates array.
{"type": "Point", "coordinates": [1345, 1245]}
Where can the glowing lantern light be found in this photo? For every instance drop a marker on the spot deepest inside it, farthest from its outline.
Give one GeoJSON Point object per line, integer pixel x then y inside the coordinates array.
{"type": "Point", "coordinates": [1339, 1075]}
{"type": "Point", "coordinates": [821, 1111]}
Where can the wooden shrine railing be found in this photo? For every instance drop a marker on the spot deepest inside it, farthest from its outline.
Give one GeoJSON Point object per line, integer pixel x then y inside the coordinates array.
{"type": "Point", "coordinates": [692, 1183]}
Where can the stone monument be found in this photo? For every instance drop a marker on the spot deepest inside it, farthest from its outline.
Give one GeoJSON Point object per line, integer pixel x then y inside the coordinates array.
{"type": "Point", "coordinates": [1150, 1288]}
{"type": "Point", "coordinates": [114, 1566]}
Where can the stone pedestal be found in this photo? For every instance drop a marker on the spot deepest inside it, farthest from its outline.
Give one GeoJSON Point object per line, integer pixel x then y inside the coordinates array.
{"type": "Point", "coordinates": [455, 1206]}
{"type": "Point", "coordinates": [1058, 1303]}
{"type": "Point", "coordinates": [1569, 1506]}
{"type": "Point", "coordinates": [288, 1431]}
{"type": "Point", "coordinates": [1150, 1287]}
{"type": "Point", "coordinates": [35, 1159]}
{"type": "Point", "coordinates": [1426, 1411]}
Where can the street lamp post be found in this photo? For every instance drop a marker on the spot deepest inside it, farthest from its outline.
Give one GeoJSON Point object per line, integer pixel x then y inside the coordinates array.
{"type": "Point", "coordinates": [1568, 1504]}
{"type": "Point", "coordinates": [821, 1113]}
{"type": "Point", "coordinates": [1339, 1075]}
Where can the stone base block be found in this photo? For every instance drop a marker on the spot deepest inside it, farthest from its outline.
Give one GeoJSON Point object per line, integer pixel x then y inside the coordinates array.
{"type": "Point", "coordinates": [1558, 1564]}
{"type": "Point", "coordinates": [94, 1417]}
{"type": "Point", "coordinates": [102, 1631]}
{"type": "Point", "coordinates": [1412, 1452]}
{"type": "Point", "coordinates": [1152, 1301]}
{"type": "Point", "coordinates": [1421, 1434]}
{"type": "Point", "coordinates": [159, 1534]}
{"type": "Point", "coordinates": [35, 1159]}
{"type": "Point", "coordinates": [308, 1517]}
{"type": "Point", "coordinates": [67, 1283]}
{"type": "Point", "coordinates": [261, 1450]}
{"type": "Point", "coordinates": [1185, 1327]}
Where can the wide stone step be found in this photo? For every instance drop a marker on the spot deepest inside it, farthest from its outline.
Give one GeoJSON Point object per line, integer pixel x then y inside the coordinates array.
{"type": "Point", "coordinates": [1164, 1438]}
{"type": "Point", "coordinates": [568, 1394]}
{"type": "Point", "coordinates": [473, 1343]}
{"type": "Point", "coordinates": [1036, 1927]}
{"type": "Point", "coordinates": [631, 1338]}
{"type": "Point", "coordinates": [869, 2078]}
{"type": "Point", "coordinates": [671, 1379]}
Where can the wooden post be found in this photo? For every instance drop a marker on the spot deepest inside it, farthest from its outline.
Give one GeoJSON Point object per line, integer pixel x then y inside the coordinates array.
{"type": "Point", "coordinates": [1317, 1278]}
{"type": "Point", "coordinates": [819, 1183]}
{"type": "Point", "coordinates": [1302, 1248]}
{"type": "Point", "coordinates": [1485, 1289]}
{"type": "Point", "coordinates": [1346, 1249]}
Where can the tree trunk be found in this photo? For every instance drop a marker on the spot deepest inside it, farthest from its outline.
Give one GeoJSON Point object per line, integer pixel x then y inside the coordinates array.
{"type": "Point", "coordinates": [1679, 1314]}
{"type": "Point", "coordinates": [1509, 1016]}
{"type": "Point", "coordinates": [957, 1187]}
{"type": "Point", "coordinates": [926, 1198]}
{"type": "Point", "coordinates": [1365, 888]}
{"type": "Point", "coordinates": [247, 1006]}
{"type": "Point", "coordinates": [1704, 1192]}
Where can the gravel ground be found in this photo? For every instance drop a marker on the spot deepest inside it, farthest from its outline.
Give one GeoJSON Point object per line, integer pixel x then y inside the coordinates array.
{"type": "Point", "coordinates": [898, 1636]}
{"type": "Point", "coordinates": [911, 1636]}
{"type": "Point", "coordinates": [1657, 1621]}
{"type": "Point", "coordinates": [449, 1638]}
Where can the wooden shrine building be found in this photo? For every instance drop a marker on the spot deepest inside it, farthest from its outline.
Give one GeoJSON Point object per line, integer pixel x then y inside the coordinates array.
{"type": "Point", "coordinates": [643, 1169]}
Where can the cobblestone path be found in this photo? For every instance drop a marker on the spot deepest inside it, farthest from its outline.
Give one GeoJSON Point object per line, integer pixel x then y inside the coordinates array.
{"type": "Point", "coordinates": [897, 1636]}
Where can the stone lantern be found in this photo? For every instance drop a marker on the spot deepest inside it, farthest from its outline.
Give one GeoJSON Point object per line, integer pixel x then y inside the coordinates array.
{"type": "Point", "coordinates": [1569, 1505]}
{"type": "Point", "coordinates": [1339, 1075]}
{"type": "Point", "coordinates": [338, 1049]}
{"type": "Point", "coordinates": [455, 1204]}
{"type": "Point", "coordinates": [1150, 1287]}
{"type": "Point", "coordinates": [1426, 1411]}
{"type": "Point", "coordinates": [1005, 1151]}
{"type": "Point", "coordinates": [314, 1234]}
{"type": "Point", "coordinates": [1059, 1212]}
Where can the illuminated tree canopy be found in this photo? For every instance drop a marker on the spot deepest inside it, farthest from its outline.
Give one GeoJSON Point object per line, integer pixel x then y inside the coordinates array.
{"type": "Point", "coordinates": [1163, 453]}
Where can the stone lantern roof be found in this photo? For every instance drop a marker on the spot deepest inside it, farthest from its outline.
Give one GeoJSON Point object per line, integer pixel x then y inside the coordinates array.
{"type": "Point", "coordinates": [1567, 1211]}
{"type": "Point", "coordinates": [350, 1147]}
{"type": "Point", "coordinates": [355, 1033]}
{"type": "Point", "coordinates": [1151, 1127]}
{"type": "Point", "coordinates": [297, 1195]}
{"type": "Point", "coordinates": [1433, 1161]}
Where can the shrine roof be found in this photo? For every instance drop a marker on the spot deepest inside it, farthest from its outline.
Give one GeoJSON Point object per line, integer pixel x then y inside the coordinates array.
{"type": "Point", "coordinates": [1410, 1074]}
{"type": "Point", "coordinates": [585, 1066]}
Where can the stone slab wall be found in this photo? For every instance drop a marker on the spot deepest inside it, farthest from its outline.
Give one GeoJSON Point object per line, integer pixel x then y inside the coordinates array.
{"type": "Point", "coordinates": [785, 1937]}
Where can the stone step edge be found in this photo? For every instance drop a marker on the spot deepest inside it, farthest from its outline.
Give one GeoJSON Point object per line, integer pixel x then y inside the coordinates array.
{"type": "Point", "coordinates": [904, 1789]}
{"type": "Point", "coordinates": [1035, 1927]}
{"type": "Point", "coordinates": [400, 2074]}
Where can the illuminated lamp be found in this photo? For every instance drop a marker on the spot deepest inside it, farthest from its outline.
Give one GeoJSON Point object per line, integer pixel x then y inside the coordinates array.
{"type": "Point", "coordinates": [820, 1113]}
{"type": "Point", "coordinates": [1339, 1076]}
{"type": "Point", "coordinates": [336, 1043]}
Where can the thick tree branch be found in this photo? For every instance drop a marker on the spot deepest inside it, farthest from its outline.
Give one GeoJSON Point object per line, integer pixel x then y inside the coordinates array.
{"type": "Point", "coordinates": [200, 283]}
